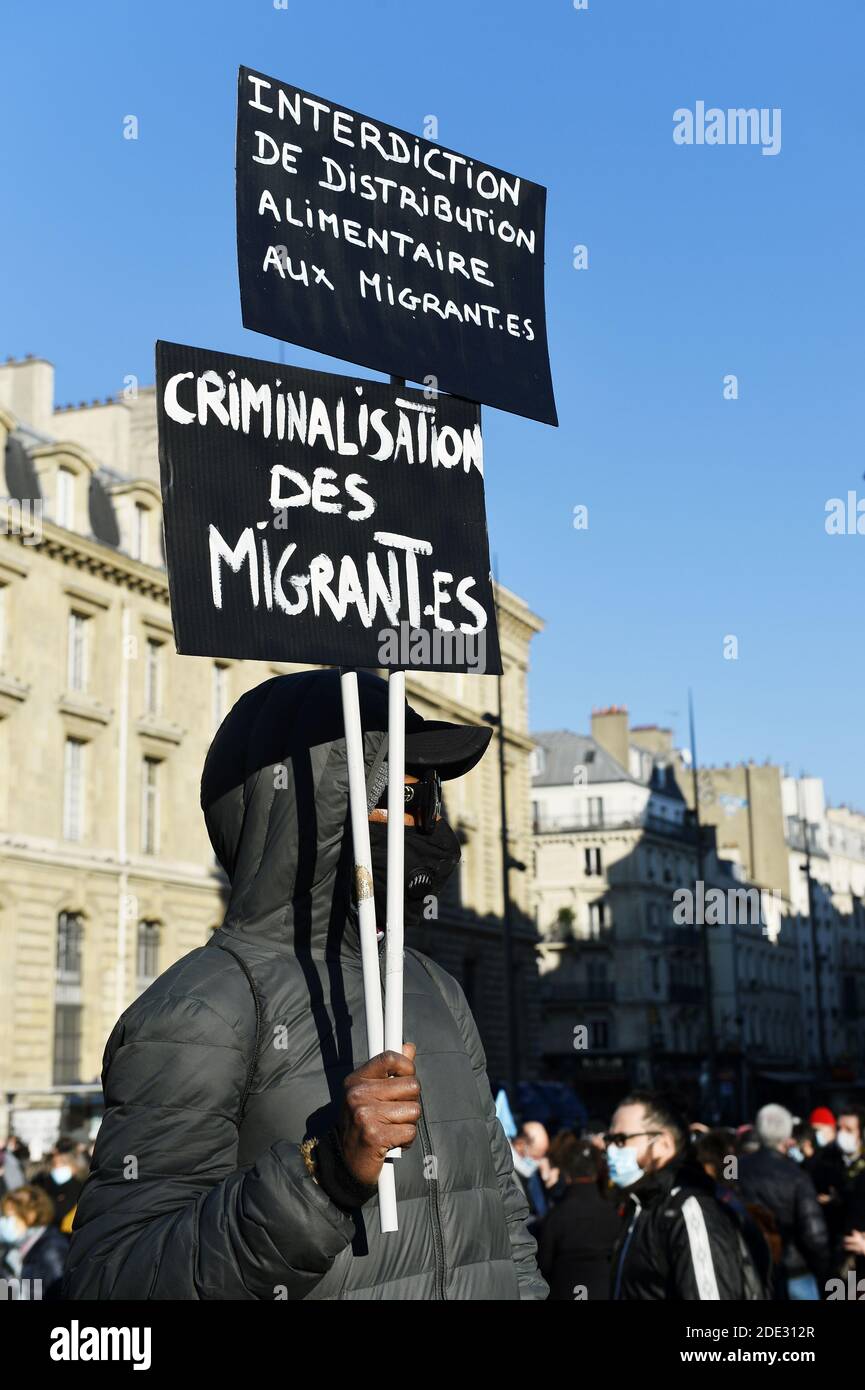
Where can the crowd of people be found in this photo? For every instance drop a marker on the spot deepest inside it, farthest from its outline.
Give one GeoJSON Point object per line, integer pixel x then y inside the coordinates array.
{"type": "Point", "coordinates": [37, 1207]}
{"type": "Point", "coordinates": [651, 1208]}
{"type": "Point", "coordinates": [656, 1208]}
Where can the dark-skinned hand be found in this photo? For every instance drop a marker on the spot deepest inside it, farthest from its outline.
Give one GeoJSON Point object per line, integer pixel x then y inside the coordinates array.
{"type": "Point", "coordinates": [380, 1111]}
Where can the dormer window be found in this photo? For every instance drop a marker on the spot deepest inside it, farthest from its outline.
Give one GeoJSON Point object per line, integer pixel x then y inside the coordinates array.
{"type": "Point", "coordinates": [65, 508]}
{"type": "Point", "coordinates": [139, 513]}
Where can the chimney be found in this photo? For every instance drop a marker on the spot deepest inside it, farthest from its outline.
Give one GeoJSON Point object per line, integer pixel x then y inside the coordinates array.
{"type": "Point", "coordinates": [610, 730]}
{"type": "Point", "coordinates": [653, 738]}
{"type": "Point", "coordinates": [27, 391]}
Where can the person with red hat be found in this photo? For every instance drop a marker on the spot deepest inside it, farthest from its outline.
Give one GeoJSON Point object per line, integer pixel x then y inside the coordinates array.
{"type": "Point", "coordinates": [822, 1121]}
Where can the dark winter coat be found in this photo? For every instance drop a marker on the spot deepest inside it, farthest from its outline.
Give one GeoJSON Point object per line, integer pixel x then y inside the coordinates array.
{"type": "Point", "coordinates": [64, 1195]}
{"type": "Point", "coordinates": [774, 1181]}
{"type": "Point", "coordinates": [44, 1261]}
{"type": "Point", "coordinates": [576, 1241]}
{"type": "Point", "coordinates": [215, 1075]}
{"type": "Point", "coordinates": [678, 1242]}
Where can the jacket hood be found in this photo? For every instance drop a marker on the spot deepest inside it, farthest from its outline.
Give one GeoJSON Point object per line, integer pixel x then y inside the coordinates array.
{"type": "Point", "coordinates": [274, 792]}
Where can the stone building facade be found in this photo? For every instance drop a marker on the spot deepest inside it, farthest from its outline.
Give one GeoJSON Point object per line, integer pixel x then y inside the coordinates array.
{"type": "Point", "coordinates": [623, 975]}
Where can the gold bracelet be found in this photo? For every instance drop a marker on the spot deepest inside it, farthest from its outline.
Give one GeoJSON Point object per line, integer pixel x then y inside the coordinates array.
{"type": "Point", "coordinates": [307, 1154]}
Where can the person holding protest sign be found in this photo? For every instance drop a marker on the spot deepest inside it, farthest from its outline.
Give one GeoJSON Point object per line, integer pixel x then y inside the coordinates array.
{"type": "Point", "coordinates": [245, 1126]}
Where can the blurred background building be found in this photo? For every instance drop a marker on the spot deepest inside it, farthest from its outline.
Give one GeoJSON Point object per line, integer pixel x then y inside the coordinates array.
{"type": "Point", "coordinates": [623, 977]}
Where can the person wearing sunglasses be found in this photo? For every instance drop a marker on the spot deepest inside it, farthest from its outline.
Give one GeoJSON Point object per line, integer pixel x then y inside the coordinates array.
{"type": "Point", "coordinates": [677, 1241]}
{"type": "Point", "coordinates": [242, 1081]}
{"type": "Point", "coordinates": [432, 848]}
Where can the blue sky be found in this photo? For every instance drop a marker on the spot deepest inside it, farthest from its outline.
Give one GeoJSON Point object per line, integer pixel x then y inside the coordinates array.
{"type": "Point", "coordinates": [706, 516]}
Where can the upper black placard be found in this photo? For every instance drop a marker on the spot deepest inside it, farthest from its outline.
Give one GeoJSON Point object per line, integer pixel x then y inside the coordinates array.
{"type": "Point", "coordinates": [376, 246]}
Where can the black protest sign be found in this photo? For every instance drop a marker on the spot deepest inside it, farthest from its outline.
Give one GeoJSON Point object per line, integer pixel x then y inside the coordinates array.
{"type": "Point", "coordinates": [379, 247]}
{"type": "Point", "coordinates": [320, 518]}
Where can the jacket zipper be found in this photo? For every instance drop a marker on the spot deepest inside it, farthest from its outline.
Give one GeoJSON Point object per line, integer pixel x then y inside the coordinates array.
{"type": "Point", "coordinates": [629, 1235]}
{"type": "Point", "coordinates": [435, 1210]}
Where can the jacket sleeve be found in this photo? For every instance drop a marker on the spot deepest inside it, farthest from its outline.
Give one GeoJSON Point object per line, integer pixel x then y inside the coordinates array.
{"type": "Point", "coordinates": [166, 1213]}
{"type": "Point", "coordinates": [810, 1232]}
{"type": "Point", "coordinates": [48, 1258]}
{"type": "Point", "coordinates": [705, 1256]}
{"type": "Point", "coordinates": [523, 1245]}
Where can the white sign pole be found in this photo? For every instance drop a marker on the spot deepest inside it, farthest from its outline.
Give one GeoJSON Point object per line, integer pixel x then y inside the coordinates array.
{"type": "Point", "coordinates": [366, 910]}
{"type": "Point", "coordinates": [393, 1020]}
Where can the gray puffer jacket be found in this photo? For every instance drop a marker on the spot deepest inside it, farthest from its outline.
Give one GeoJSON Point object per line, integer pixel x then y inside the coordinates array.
{"type": "Point", "coordinates": [215, 1075]}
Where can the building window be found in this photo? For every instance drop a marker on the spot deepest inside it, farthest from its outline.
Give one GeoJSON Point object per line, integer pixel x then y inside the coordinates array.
{"type": "Point", "coordinates": [70, 935]}
{"type": "Point", "coordinates": [152, 674]}
{"type": "Point", "coordinates": [599, 1031]}
{"type": "Point", "coordinates": [652, 916]}
{"type": "Point", "coordinates": [67, 1000]}
{"type": "Point", "coordinates": [596, 975]}
{"type": "Point", "coordinates": [140, 532]}
{"type": "Point", "coordinates": [73, 789]}
{"type": "Point", "coordinates": [147, 964]}
{"type": "Point", "coordinates": [597, 919]}
{"type": "Point", "coordinates": [67, 1044]}
{"type": "Point", "coordinates": [76, 674]}
{"type": "Point", "coordinates": [150, 806]}
{"type": "Point", "coordinates": [592, 860]}
{"type": "Point", "coordinates": [65, 498]}
{"type": "Point", "coordinates": [596, 810]}
{"type": "Point", "coordinates": [220, 693]}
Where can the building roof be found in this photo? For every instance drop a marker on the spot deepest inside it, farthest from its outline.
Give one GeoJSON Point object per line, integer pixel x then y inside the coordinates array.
{"type": "Point", "coordinates": [563, 751]}
{"type": "Point", "coordinates": [22, 484]}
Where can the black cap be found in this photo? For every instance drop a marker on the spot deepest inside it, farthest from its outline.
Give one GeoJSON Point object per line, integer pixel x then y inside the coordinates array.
{"type": "Point", "coordinates": [452, 749]}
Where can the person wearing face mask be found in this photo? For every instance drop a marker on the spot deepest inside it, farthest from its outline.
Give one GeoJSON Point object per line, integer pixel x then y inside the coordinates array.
{"type": "Point", "coordinates": [530, 1148]}
{"type": "Point", "coordinates": [241, 1082]}
{"type": "Point", "coordinates": [824, 1164]}
{"type": "Point", "coordinates": [61, 1181]}
{"type": "Point", "coordinates": [31, 1247]}
{"type": "Point", "coordinates": [850, 1138]}
{"type": "Point", "coordinates": [822, 1121]}
{"type": "Point", "coordinates": [677, 1240]}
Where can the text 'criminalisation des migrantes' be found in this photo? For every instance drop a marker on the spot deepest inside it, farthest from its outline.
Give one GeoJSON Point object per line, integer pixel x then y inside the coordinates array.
{"type": "Point", "coordinates": [396, 575]}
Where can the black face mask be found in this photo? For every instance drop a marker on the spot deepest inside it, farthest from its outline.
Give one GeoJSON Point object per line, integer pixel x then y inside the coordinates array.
{"type": "Point", "coordinates": [429, 862]}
